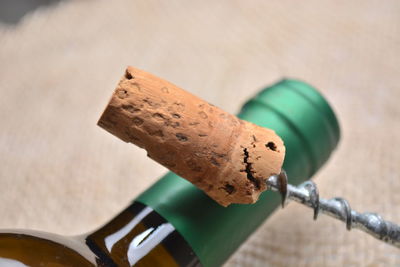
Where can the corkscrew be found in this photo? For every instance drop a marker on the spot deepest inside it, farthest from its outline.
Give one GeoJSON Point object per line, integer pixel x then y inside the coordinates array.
{"type": "Point", "coordinates": [307, 194]}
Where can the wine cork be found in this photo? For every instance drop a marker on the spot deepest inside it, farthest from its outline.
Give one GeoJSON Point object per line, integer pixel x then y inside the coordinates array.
{"type": "Point", "coordinates": [228, 158]}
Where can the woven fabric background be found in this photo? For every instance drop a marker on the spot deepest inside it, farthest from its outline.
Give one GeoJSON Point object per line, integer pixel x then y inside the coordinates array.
{"type": "Point", "coordinates": [61, 173]}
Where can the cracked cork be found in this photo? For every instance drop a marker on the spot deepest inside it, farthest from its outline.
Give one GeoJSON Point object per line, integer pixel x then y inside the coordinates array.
{"type": "Point", "coordinates": [228, 158]}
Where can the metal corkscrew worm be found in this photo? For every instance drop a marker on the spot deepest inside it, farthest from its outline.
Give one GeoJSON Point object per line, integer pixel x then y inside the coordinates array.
{"type": "Point", "coordinates": [307, 194]}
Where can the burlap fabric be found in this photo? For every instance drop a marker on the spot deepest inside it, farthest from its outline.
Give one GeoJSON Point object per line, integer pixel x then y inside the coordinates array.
{"type": "Point", "coordinates": [61, 173]}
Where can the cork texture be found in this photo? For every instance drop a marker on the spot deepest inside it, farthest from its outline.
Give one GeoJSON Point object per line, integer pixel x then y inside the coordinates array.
{"type": "Point", "coordinates": [226, 157]}
{"type": "Point", "coordinates": [61, 173]}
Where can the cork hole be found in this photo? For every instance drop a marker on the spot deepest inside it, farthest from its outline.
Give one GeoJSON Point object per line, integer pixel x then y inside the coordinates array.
{"type": "Point", "coordinates": [214, 161]}
{"type": "Point", "coordinates": [176, 116]}
{"type": "Point", "coordinates": [122, 93]}
{"type": "Point", "coordinates": [130, 108]}
{"type": "Point", "coordinates": [137, 121]}
{"type": "Point", "coordinates": [173, 124]}
{"type": "Point", "coordinates": [181, 137]}
{"type": "Point", "coordinates": [128, 75]}
{"type": "Point", "coordinates": [271, 145]}
{"type": "Point", "coordinates": [230, 189]}
{"type": "Point", "coordinates": [158, 116]}
{"type": "Point", "coordinates": [203, 115]}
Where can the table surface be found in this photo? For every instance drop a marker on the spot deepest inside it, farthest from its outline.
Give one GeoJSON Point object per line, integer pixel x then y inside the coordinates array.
{"type": "Point", "coordinates": [61, 173]}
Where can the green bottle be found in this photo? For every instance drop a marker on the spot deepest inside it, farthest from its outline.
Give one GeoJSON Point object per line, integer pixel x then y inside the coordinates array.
{"type": "Point", "coordinates": [175, 224]}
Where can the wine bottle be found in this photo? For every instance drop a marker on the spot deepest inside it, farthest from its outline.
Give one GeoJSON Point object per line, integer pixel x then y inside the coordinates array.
{"type": "Point", "coordinates": [175, 224]}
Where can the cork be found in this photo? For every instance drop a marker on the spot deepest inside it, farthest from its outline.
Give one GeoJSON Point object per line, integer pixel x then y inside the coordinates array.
{"type": "Point", "coordinates": [228, 158]}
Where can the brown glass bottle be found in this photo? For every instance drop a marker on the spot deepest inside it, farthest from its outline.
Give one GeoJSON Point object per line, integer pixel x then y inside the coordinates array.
{"type": "Point", "coordinates": [137, 236]}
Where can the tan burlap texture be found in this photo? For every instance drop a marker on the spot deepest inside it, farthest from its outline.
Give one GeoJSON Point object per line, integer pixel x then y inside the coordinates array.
{"type": "Point", "coordinates": [61, 173]}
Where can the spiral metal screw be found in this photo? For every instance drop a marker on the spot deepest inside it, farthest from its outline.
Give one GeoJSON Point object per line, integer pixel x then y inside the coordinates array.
{"type": "Point", "coordinates": [307, 194]}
